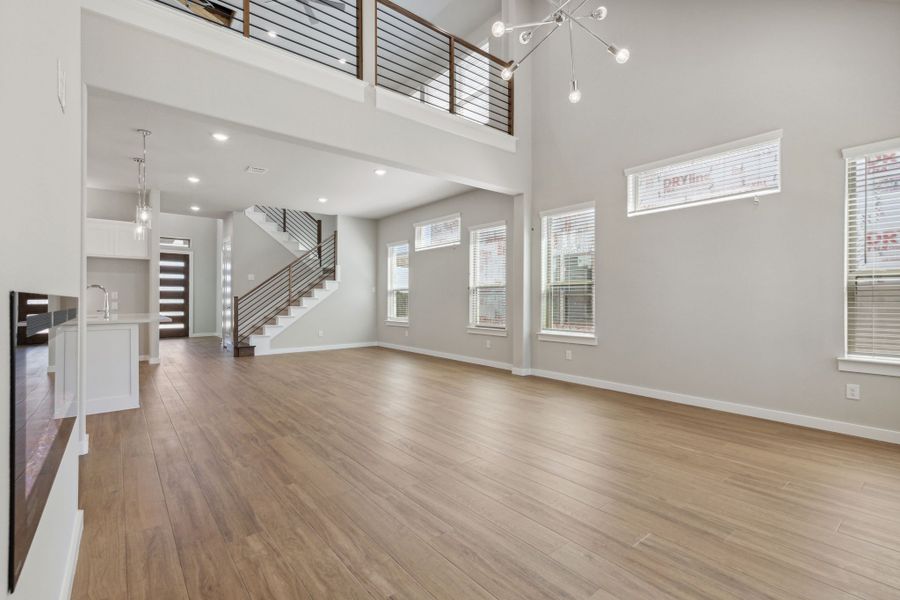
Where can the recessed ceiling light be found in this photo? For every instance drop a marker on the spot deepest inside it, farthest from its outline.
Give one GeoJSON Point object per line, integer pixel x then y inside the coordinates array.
{"type": "Point", "coordinates": [381, 172]}
{"type": "Point", "coordinates": [195, 208]}
{"type": "Point", "coordinates": [220, 137]}
{"type": "Point", "coordinates": [323, 200]}
{"type": "Point", "coordinates": [193, 179]}
{"type": "Point", "coordinates": [273, 34]}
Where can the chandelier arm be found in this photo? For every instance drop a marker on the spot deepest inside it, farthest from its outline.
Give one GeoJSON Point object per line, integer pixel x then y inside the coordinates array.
{"type": "Point", "coordinates": [571, 13]}
{"type": "Point", "coordinates": [535, 25]}
{"type": "Point", "coordinates": [538, 45]}
{"type": "Point", "coordinates": [572, 47]}
{"type": "Point", "coordinates": [594, 35]}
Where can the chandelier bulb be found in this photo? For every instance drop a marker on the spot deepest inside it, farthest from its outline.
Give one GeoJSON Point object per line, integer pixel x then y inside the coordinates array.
{"type": "Point", "coordinates": [498, 29]}
{"type": "Point", "coordinates": [525, 37]}
{"type": "Point", "coordinates": [622, 54]}
{"type": "Point", "coordinates": [508, 72]}
{"type": "Point", "coordinates": [599, 13]}
{"type": "Point", "coordinates": [575, 93]}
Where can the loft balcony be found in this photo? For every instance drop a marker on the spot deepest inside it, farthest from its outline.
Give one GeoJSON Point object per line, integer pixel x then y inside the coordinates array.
{"type": "Point", "coordinates": [411, 57]}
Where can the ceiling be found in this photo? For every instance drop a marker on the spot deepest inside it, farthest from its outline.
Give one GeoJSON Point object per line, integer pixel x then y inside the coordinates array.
{"type": "Point", "coordinates": [182, 146]}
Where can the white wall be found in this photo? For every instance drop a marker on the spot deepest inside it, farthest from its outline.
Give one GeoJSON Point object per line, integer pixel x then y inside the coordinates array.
{"type": "Point", "coordinates": [439, 280]}
{"type": "Point", "coordinates": [731, 301]}
{"type": "Point", "coordinates": [40, 238]}
{"type": "Point", "coordinates": [254, 252]}
{"type": "Point", "coordinates": [111, 204]}
{"type": "Point", "coordinates": [347, 316]}
{"type": "Point", "coordinates": [206, 313]}
{"type": "Point", "coordinates": [130, 281]}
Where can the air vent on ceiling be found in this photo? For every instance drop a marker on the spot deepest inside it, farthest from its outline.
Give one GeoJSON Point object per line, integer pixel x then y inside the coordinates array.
{"type": "Point", "coordinates": [256, 170]}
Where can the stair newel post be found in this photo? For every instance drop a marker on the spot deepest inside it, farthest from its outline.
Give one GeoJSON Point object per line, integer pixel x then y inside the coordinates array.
{"type": "Point", "coordinates": [334, 237]}
{"type": "Point", "coordinates": [234, 325]}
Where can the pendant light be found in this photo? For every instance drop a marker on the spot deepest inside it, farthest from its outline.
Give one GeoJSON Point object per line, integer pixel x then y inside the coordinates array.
{"type": "Point", "coordinates": [143, 214]}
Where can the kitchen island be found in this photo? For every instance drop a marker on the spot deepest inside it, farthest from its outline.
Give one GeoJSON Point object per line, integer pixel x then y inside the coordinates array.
{"type": "Point", "coordinates": [112, 360]}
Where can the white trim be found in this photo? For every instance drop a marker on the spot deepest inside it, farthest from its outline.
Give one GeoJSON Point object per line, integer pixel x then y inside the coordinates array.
{"type": "Point", "coordinates": [651, 211]}
{"type": "Point", "coordinates": [304, 349]}
{"type": "Point", "coordinates": [487, 226]}
{"type": "Point", "coordinates": [872, 366]}
{"type": "Point", "coordinates": [186, 29]}
{"type": "Point", "coordinates": [521, 372]}
{"type": "Point", "coordinates": [457, 216]}
{"type": "Point", "coordinates": [154, 361]}
{"type": "Point", "coordinates": [749, 141]}
{"type": "Point", "coordinates": [868, 149]}
{"type": "Point", "coordinates": [769, 414]}
{"type": "Point", "coordinates": [390, 323]}
{"type": "Point", "coordinates": [85, 445]}
{"type": "Point", "coordinates": [486, 331]}
{"type": "Point", "coordinates": [568, 338]}
{"type": "Point", "coordinates": [208, 334]}
{"type": "Point", "coordinates": [144, 358]}
{"type": "Point", "coordinates": [421, 112]}
{"type": "Point", "coordinates": [569, 210]}
{"type": "Point", "coordinates": [72, 556]}
{"type": "Point", "coordinates": [439, 246]}
{"type": "Point", "coordinates": [446, 355]}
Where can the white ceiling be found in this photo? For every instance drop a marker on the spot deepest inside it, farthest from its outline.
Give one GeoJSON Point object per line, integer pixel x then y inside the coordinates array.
{"type": "Point", "coordinates": [182, 146]}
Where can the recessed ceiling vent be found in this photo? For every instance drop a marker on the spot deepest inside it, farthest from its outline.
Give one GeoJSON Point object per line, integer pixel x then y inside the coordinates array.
{"type": "Point", "coordinates": [256, 170]}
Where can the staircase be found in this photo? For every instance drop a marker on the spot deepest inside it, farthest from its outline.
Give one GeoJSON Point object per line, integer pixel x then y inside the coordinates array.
{"type": "Point", "coordinates": [269, 309]}
{"type": "Point", "coordinates": [296, 230]}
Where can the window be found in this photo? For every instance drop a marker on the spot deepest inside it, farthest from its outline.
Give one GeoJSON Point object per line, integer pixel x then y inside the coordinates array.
{"type": "Point", "coordinates": [398, 282]}
{"type": "Point", "coordinates": [742, 169]}
{"type": "Point", "coordinates": [873, 253]}
{"type": "Point", "coordinates": [567, 265]}
{"type": "Point", "coordinates": [170, 242]}
{"type": "Point", "coordinates": [438, 233]}
{"type": "Point", "coordinates": [487, 277]}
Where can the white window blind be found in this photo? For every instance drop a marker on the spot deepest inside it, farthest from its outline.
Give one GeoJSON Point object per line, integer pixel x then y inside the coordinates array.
{"type": "Point", "coordinates": [567, 265]}
{"type": "Point", "coordinates": [873, 255]}
{"type": "Point", "coordinates": [743, 169]}
{"type": "Point", "coordinates": [398, 282]}
{"type": "Point", "coordinates": [487, 277]}
{"type": "Point", "coordinates": [438, 233]}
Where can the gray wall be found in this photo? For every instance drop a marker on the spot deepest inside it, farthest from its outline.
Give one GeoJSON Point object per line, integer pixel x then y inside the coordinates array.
{"type": "Point", "coordinates": [730, 301]}
{"type": "Point", "coordinates": [40, 237]}
{"type": "Point", "coordinates": [203, 233]}
{"type": "Point", "coordinates": [253, 252]}
{"type": "Point", "coordinates": [347, 316]}
{"type": "Point", "coordinates": [439, 280]}
{"type": "Point", "coordinates": [128, 278]}
{"type": "Point", "coordinates": [111, 204]}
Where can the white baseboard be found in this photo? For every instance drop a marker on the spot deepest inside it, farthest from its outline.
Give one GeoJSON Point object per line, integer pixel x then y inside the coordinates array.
{"type": "Point", "coordinates": [457, 357]}
{"type": "Point", "coordinates": [210, 334]}
{"type": "Point", "coordinates": [319, 348]}
{"type": "Point", "coordinates": [72, 557]}
{"type": "Point", "coordinates": [521, 372]}
{"type": "Point", "coordinates": [85, 445]}
{"type": "Point", "coordinates": [770, 414]}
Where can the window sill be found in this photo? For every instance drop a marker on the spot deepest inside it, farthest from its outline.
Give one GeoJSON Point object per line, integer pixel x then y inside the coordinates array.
{"type": "Point", "coordinates": [487, 331]}
{"type": "Point", "coordinates": [872, 366]}
{"type": "Point", "coordinates": [585, 339]}
{"type": "Point", "coordinates": [397, 323]}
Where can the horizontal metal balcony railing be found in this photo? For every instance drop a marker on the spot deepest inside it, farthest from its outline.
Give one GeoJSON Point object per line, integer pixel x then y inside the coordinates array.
{"type": "Point", "coordinates": [418, 59]}
{"type": "Point", "coordinates": [325, 31]}
{"type": "Point", "coordinates": [413, 57]}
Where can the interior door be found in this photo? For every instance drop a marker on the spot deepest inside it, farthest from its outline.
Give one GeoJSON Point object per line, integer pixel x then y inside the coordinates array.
{"type": "Point", "coordinates": [174, 294]}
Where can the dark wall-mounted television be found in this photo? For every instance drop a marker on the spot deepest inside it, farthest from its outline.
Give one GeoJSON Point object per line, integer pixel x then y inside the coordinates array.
{"type": "Point", "coordinates": [43, 388]}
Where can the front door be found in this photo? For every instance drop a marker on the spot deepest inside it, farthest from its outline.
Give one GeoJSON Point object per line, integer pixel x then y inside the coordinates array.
{"type": "Point", "coordinates": [174, 294]}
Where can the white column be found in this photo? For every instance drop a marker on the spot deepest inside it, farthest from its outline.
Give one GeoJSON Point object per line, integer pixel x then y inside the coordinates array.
{"type": "Point", "coordinates": [82, 296]}
{"type": "Point", "coordinates": [369, 40]}
{"type": "Point", "coordinates": [153, 327]}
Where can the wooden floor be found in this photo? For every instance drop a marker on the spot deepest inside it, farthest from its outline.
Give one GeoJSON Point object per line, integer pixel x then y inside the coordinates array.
{"type": "Point", "coordinates": [376, 474]}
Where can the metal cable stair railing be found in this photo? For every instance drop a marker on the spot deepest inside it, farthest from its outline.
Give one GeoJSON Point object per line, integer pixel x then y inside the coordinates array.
{"type": "Point", "coordinates": [304, 228]}
{"type": "Point", "coordinates": [275, 296]}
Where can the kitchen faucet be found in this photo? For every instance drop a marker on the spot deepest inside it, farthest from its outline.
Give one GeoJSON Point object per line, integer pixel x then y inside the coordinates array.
{"type": "Point", "coordinates": [105, 309]}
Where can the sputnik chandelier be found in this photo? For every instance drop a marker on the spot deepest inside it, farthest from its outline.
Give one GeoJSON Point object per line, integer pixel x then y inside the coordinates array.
{"type": "Point", "coordinates": [556, 20]}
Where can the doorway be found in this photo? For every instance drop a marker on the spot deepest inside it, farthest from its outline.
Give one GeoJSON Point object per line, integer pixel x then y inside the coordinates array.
{"type": "Point", "coordinates": [174, 294]}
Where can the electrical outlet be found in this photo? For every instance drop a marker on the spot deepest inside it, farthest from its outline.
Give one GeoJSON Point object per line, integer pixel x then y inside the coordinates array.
{"type": "Point", "coordinates": [321, 333]}
{"type": "Point", "coordinates": [487, 343]}
{"type": "Point", "coordinates": [853, 392]}
{"type": "Point", "coordinates": [251, 277]}
{"type": "Point", "coordinates": [568, 355]}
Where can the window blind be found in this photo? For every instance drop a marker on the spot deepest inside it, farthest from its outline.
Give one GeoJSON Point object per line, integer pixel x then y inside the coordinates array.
{"type": "Point", "coordinates": [438, 233]}
{"type": "Point", "coordinates": [740, 171]}
{"type": "Point", "coordinates": [487, 277]}
{"type": "Point", "coordinates": [873, 255]}
{"type": "Point", "coordinates": [567, 265]}
{"type": "Point", "coordinates": [398, 282]}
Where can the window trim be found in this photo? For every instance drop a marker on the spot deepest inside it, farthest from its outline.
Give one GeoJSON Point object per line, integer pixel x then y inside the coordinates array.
{"type": "Point", "coordinates": [555, 335]}
{"type": "Point", "coordinates": [416, 226]}
{"type": "Point", "coordinates": [388, 319]}
{"type": "Point", "coordinates": [481, 329]}
{"type": "Point", "coordinates": [852, 363]}
{"type": "Point", "coordinates": [770, 136]}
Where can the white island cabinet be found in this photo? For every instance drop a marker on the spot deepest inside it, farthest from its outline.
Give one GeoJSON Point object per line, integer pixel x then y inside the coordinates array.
{"type": "Point", "coordinates": [112, 360]}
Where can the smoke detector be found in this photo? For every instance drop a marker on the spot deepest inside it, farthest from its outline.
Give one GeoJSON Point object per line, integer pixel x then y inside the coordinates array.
{"type": "Point", "coordinates": [256, 170]}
